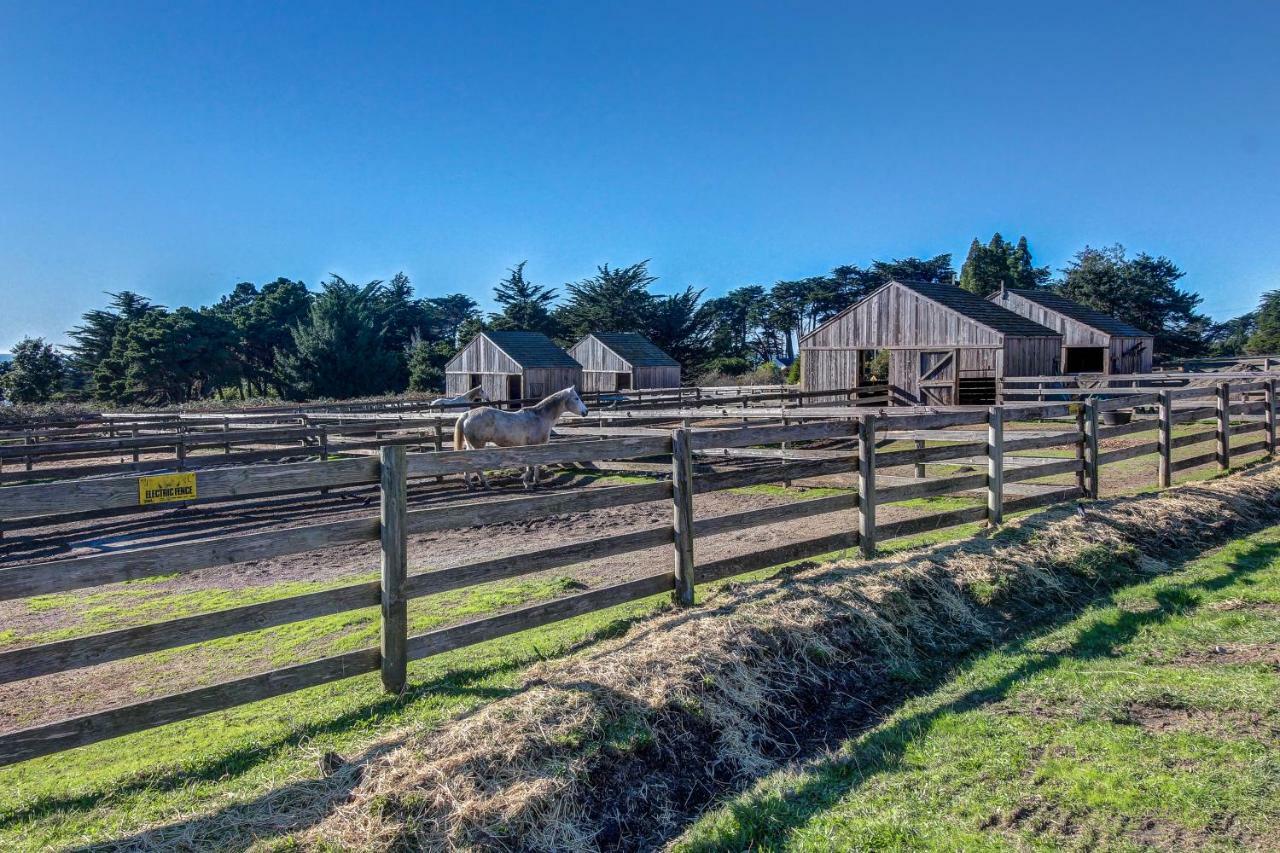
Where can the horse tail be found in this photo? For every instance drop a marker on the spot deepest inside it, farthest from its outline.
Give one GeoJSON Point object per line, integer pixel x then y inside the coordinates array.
{"type": "Point", "coordinates": [459, 442]}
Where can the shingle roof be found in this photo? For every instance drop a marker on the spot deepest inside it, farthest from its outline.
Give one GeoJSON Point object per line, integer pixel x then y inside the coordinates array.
{"type": "Point", "coordinates": [531, 349]}
{"type": "Point", "coordinates": [979, 310]}
{"type": "Point", "coordinates": [1092, 317]}
{"type": "Point", "coordinates": [635, 349]}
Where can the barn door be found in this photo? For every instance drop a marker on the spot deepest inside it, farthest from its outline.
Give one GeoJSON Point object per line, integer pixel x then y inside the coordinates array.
{"type": "Point", "coordinates": [937, 377]}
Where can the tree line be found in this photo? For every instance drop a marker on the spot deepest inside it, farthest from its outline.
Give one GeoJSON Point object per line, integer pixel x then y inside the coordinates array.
{"type": "Point", "coordinates": [283, 340]}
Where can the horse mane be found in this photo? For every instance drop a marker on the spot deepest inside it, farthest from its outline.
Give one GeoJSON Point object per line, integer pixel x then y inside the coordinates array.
{"type": "Point", "coordinates": [551, 399]}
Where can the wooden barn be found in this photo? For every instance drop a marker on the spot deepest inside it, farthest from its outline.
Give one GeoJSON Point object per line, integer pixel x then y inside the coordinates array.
{"type": "Point", "coordinates": [945, 346]}
{"type": "Point", "coordinates": [511, 366]}
{"type": "Point", "coordinates": [1092, 341]}
{"type": "Point", "coordinates": [620, 361]}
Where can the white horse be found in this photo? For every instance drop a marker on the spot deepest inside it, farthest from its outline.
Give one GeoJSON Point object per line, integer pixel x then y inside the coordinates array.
{"type": "Point", "coordinates": [462, 401]}
{"type": "Point", "coordinates": [480, 427]}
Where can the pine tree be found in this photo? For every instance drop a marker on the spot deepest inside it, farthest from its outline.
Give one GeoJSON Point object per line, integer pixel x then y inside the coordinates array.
{"type": "Point", "coordinates": [613, 300]}
{"type": "Point", "coordinates": [525, 306]}
{"type": "Point", "coordinates": [35, 374]}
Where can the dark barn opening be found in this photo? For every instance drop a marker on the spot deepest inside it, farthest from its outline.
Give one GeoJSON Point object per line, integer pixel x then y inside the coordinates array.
{"type": "Point", "coordinates": [1085, 360]}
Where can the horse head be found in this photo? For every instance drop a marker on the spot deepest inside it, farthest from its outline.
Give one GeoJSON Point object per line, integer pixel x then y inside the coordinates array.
{"type": "Point", "coordinates": [573, 403]}
{"type": "Point", "coordinates": [478, 395]}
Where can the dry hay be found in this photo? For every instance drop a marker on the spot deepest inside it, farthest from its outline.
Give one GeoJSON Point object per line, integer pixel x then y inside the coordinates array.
{"type": "Point", "coordinates": [615, 748]}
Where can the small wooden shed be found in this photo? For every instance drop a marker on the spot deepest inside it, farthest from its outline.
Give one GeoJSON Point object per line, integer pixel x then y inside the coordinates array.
{"type": "Point", "coordinates": [946, 346]}
{"type": "Point", "coordinates": [621, 361]}
{"type": "Point", "coordinates": [1092, 341]}
{"type": "Point", "coordinates": [511, 366]}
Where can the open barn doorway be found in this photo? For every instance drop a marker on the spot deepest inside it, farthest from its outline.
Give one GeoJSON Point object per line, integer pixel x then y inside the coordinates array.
{"type": "Point", "coordinates": [514, 389]}
{"type": "Point", "coordinates": [1085, 360]}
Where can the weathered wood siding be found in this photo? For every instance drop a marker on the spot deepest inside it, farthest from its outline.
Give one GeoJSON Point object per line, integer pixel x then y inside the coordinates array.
{"type": "Point", "coordinates": [1130, 355]}
{"type": "Point", "coordinates": [494, 384]}
{"type": "Point", "coordinates": [541, 381]}
{"type": "Point", "coordinates": [896, 316]}
{"type": "Point", "coordinates": [1031, 356]}
{"type": "Point", "coordinates": [656, 377]}
{"type": "Point", "coordinates": [595, 356]}
{"type": "Point", "coordinates": [823, 368]}
{"type": "Point", "coordinates": [602, 365]}
{"type": "Point", "coordinates": [1074, 333]}
{"type": "Point", "coordinates": [481, 356]}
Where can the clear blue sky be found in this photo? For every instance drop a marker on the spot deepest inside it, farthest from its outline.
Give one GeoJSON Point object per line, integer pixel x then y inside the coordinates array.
{"type": "Point", "coordinates": [176, 148]}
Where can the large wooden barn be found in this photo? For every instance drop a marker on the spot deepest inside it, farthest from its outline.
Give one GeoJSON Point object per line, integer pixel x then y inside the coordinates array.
{"type": "Point", "coordinates": [1092, 342]}
{"type": "Point", "coordinates": [511, 366]}
{"type": "Point", "coordinates": [620, 361]}
{"type": "Point", "coordinates": [946, 346]}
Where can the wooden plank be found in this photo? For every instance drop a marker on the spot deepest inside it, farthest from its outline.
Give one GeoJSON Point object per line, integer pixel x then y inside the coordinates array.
{"type": "Point", "coordinates": [792, 470]}
{"type": "Point", "coordinates": [560, 452]}
{"type": "Point", "coordinates": [750, 435]}
{"type": "Point", "coordinates": [1126, 402]}
{"type": "Point", "coordinates": [103, 725]}
{"type": "Point", "coordinates": [1223, 427]}
{"type": "Point", "coordinates": [1191, 438]}
{"type": "Point", "coordinates": [1188, 415]}
{"type": "Point", "coordinates": [1043, 499]}
{"type": "Point", "coordinates": [1012, 445]}
{"type": "Point", "coordinates": [1250, 426]}
{"type": "Point", "coordinates": [479, 513]}
{"type": "Point", "coordinates": [1131, 428]}
{"type": "Point", "coordinates": [995, 466]}
{"type": "Point", "coordinates": [1091, 450]}
{"type": "Point", "coordinates": [1194, 461]}
{"type": "Point", "coordinates": [774, 514]}
{"type": "Point", "coordinates": [682, 527]}
{"type": "Point", "coordinates": [1250, 447]}
{"type": "Point", "coordinates": [935, 521]}
{"type": "Point", "coordinates": [94, 649]}
{"type": "Point", "coordinates": [895, 458]}
{"type": "Point", "coordinates": [534, 615]}
{"type": "Point", "coordinates": [730, 566]}
{"type": "Point", "coordinates": [1164, 442]}
{"type": "Point", "coordinates": [1270, 417]}
{"type": "Point", "coordinates": [867, 497]}
{"type": "Point", "coordinates": [1110, 456]}
{"type": "Point", "coordinates": [97, 569]}
{"type": "Point", "coordinates": [1032, 472]}
{"type": "Point", "coordinates": [394, 624]}
{"type": "Point", "coordinates": [222, 483]}
{"type": "Point", "coordinates": [515, 565]}
{"type": "Point", "coordinates": [929, 488]}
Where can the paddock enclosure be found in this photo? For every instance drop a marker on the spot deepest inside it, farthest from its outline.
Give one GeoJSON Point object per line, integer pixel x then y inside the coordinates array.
{"type": "Point", "coordinates": [946, 346]}
{"type": "Point", "coordinates": [686, 490]}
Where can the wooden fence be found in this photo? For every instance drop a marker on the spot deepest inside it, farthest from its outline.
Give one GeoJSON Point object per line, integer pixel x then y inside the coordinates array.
{"type": "Point", "coordinates": [981, 436]}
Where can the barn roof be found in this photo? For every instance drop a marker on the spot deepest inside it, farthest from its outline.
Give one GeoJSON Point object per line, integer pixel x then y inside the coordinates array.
{"type": "Point", "coordinates": [979, 310]}
{"type": "Point", "coordinates": [635, 349]}
{"type": "Point", "coordinates": [531, 349]}
{"type": "Point", "coordinates": [1082, 313]}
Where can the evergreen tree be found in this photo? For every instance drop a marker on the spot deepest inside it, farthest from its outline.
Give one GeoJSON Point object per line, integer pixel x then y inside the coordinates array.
{"type": "Point", "coordinates": [263, 320]}
{"type": "Point", "coordinates": [613, 300]}
{"type": "Point", "coordinates": [338, 348]}
{"type": "Point", "coordinates": [93, 341]}
{"type": "Point", "coordinates": [35, 374]}
{"type": "Point", "coordinates": [681, 327]}
{"type": "Point", "coordinates": [1265, 339]}
{"type": "Point", "coordinates": [1000, 264]}
{"type": "Point", "coordinates": [1141, 291]}
{"type": "Point", "coordinates": [525, 306]}
{"type": "Point", "coordinates": [426, 364]}
{"type": "Point", "coordinates": [447, 314]}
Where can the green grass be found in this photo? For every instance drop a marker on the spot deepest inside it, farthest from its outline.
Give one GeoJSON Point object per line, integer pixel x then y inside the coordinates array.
{"type": "Point", "coordinates": [214, 762]}
{"type": "Point", "coordinates": [1100, 733]}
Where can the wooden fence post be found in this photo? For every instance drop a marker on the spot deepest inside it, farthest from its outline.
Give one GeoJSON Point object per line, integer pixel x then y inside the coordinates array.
{"type": "Point", "coordinates": [867, 485]}
{"type": "Point", "coordinates": [1091, 449]}
{"type": "Point", "coordinates": [1164, 441]}
{"type": "Point", "coordinates": [1222, 432]}
{"type": "Point", "coordinates": [395, 610]}
{"type": "Point", "coordinates": [786, 445]}
{"type": "Point", "coordinates": [682, 518]}
{"type": "Point", "coordinates": [995, 466]}
{"type": "Point", "coordinates": [1271, 418]}
{"type": "Point", "coordinates": [920, 467]}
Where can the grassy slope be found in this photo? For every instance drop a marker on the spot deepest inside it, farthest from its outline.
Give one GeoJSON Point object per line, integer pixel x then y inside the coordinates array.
{"type": "Point", "coordinates": [1122, 729]}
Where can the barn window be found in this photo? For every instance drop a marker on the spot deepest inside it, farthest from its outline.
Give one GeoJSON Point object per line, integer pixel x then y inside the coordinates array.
{"type": "Point", "coordinates": [622, 381]}
{"type": "Point", "coordinates": [473, 381]}
{"type": "Point", "coordinates": [1085, 360]}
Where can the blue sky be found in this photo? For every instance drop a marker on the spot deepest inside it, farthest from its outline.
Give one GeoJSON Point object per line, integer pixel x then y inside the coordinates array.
{"type": "Point", "coordinates": [177, 148]}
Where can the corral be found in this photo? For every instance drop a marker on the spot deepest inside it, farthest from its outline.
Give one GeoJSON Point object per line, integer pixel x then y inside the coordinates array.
{"type": "Point", "coordinates": [728, 485]}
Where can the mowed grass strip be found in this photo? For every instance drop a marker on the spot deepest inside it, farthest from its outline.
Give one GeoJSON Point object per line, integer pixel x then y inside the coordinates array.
{"type": "Point", "coordinates": [1150, 721]}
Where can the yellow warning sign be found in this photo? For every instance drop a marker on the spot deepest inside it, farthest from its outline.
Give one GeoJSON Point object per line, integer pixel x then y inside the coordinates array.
{"type": "Point", "coordinates": [165, 488]}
